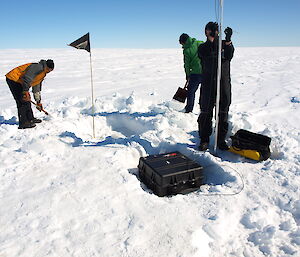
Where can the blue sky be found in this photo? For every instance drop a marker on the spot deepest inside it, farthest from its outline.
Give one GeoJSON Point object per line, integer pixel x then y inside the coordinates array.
{"type": "Point", "coordinates": [144, 24]}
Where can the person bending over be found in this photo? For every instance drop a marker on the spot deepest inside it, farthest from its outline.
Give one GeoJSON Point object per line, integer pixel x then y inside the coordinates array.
{"type": "Point", "coordinates": [19, 81]}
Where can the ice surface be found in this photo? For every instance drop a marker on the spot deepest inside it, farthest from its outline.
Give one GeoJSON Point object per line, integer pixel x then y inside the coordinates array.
{"type": "Point", "coordinates": [65, 193]}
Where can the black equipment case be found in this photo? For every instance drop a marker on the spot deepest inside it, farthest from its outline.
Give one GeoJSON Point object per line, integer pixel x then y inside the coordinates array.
{"type": "Point", "coordinates": [170, 173]}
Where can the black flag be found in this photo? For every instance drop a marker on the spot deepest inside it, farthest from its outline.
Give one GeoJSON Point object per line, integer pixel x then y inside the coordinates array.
{"type": "Point", "coordinates": [82, 43]}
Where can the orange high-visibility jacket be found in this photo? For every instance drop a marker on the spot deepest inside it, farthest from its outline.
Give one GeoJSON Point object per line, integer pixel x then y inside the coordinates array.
{"type": "Point", "coordinates": [36, 76]}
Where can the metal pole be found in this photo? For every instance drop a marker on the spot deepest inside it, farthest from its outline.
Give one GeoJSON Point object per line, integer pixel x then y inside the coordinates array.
{"type": "Point", "coordinates": [92, 87]}
{"type": "Point", "coordinates": [218, 75]}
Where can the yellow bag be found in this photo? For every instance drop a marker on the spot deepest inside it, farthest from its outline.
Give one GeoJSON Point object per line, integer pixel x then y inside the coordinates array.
{"type": "Point", "coordinates": [251, 154]}
{"type": "Point", "coordinates": [251, 145]}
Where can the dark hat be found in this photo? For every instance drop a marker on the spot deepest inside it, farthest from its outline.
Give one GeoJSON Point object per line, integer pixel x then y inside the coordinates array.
{"type": "Point", "coordinates": [183, 38]}
{"type": "Point", "coordinates": [212, 26]}
{"type": "Point", "coordinates": [50, 64]}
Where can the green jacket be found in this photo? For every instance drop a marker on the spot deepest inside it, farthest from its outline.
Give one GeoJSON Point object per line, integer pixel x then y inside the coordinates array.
{"type": "Point", "coordinates": [192, 63]}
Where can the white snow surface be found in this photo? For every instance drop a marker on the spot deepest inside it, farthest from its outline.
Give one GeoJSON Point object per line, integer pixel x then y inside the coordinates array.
{"type": "Point", "coordinates": [65, 193]}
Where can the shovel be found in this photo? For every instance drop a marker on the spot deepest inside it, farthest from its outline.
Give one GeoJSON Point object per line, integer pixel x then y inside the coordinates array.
{"type": "Point", "coordinates": [181, 93]}
{"type": "Point", "coordinates": [41, 109]}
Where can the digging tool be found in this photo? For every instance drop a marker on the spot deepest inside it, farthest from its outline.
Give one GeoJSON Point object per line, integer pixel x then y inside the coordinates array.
{"type": "Point", "coordinates": [41, 109]}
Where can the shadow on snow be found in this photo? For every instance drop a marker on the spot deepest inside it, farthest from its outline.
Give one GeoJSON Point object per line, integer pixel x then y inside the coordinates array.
{"type": "Point", "coordinates": [11, 121]}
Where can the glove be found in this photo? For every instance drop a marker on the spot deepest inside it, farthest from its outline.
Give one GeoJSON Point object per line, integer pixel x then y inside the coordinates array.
{"type": "Point", "coordinates": [39, 106]}
{"type": "Point", "coordinates": [26, 96]}
{"type": "Point", "coordinates": [228, 33]}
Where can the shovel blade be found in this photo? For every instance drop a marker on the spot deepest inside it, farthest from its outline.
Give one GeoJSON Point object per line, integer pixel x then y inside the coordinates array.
{"type": "Point", "coordinates": [180, 95]}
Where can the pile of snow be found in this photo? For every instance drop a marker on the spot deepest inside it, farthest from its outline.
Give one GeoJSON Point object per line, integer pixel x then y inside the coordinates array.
{"type": "Point", "coordinates": [65, 193]}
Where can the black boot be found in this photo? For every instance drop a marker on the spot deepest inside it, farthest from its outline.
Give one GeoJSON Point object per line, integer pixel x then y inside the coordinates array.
{"type": "Point", "coordinates": [36, 120]}
{"type": "Point", "coordinates": [223, 146]}
{"type": "Point", "coordinates": [203, 146]}
{"type": "Point", "coordinates": [27, 124]}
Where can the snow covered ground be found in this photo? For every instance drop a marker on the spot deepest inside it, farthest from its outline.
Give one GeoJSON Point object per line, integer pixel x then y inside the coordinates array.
{"type": "Point", "coordinates": [65, 193]}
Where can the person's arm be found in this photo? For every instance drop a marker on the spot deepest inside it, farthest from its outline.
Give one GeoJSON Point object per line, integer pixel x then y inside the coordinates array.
{"type": "Point", "coordinates": [203, 50]}
{"type": "Point", "coordinates": [227, 44]}
{"type": "Point", "coordinates": [36, 90]}
{"type": "Point", "coordinates": [186, 59]}
{"type": "Point", "coordinates": [200, 52]}
{"type": "Point", "coordinates": [199, 43]}
{"type": "Point", "coordinates": [228, 50]}
{"type": "Point", "coordinates": [32, 71]}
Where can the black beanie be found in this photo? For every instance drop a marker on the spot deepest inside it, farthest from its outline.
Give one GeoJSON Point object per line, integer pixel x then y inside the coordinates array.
{"type": "Point", "coordinates": [50, 64]}
{"type": "Point", "coordinates": [183, 38]}
{"type": "Point", "coordinates": [212, 26]}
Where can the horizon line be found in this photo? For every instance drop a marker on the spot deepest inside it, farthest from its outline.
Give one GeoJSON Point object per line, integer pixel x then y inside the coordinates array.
{"type": "Point", "coordinates": [149, 48]}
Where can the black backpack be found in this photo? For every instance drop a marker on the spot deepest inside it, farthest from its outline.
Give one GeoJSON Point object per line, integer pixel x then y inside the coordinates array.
{"type": "Point", "coordinates": [246, 140]}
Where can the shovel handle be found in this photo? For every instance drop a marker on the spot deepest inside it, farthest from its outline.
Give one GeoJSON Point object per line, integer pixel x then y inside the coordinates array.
{"type": "Point", "coordinates": [41, 109]}
{"type": "Point", "coordinates": [186, 83]}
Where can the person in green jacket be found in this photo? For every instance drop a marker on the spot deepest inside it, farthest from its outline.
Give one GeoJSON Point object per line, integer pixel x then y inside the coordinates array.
{"type": "Point", "coordinates": [192, 67]}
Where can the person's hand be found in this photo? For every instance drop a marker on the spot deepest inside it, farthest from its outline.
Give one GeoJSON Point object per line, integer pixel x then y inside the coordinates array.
{"type": "Point", "coordinates": [228, 33]}
{"type": "Point", "coordinates": [26, 96]}
{"type": "Point", "coordinates": [39, 106]}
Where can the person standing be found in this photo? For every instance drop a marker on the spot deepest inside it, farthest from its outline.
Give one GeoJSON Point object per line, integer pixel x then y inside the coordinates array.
{"type": "Point", "coordinates": [19, 81]}
{"type": "Point", "coordinates": [192, 67]}
{"type": "Point", "coordinates": [208, 53]}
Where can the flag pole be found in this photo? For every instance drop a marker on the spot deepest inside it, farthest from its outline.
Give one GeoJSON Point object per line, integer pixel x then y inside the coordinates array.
{"type": "Point", "coordinates": [92, 88]}
{"type": "Point", "coordinates": [84, 43]}
{"type": "Point", "coordinates": [218, 74]}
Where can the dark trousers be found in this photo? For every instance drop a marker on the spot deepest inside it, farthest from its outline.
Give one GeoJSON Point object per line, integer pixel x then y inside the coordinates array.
{"type": "Point", "coordinates": [24, 108]}
{"type": "Point", "coordinates": [194, 81]}
{"type": "Point", "coordinates": [207, 104]}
